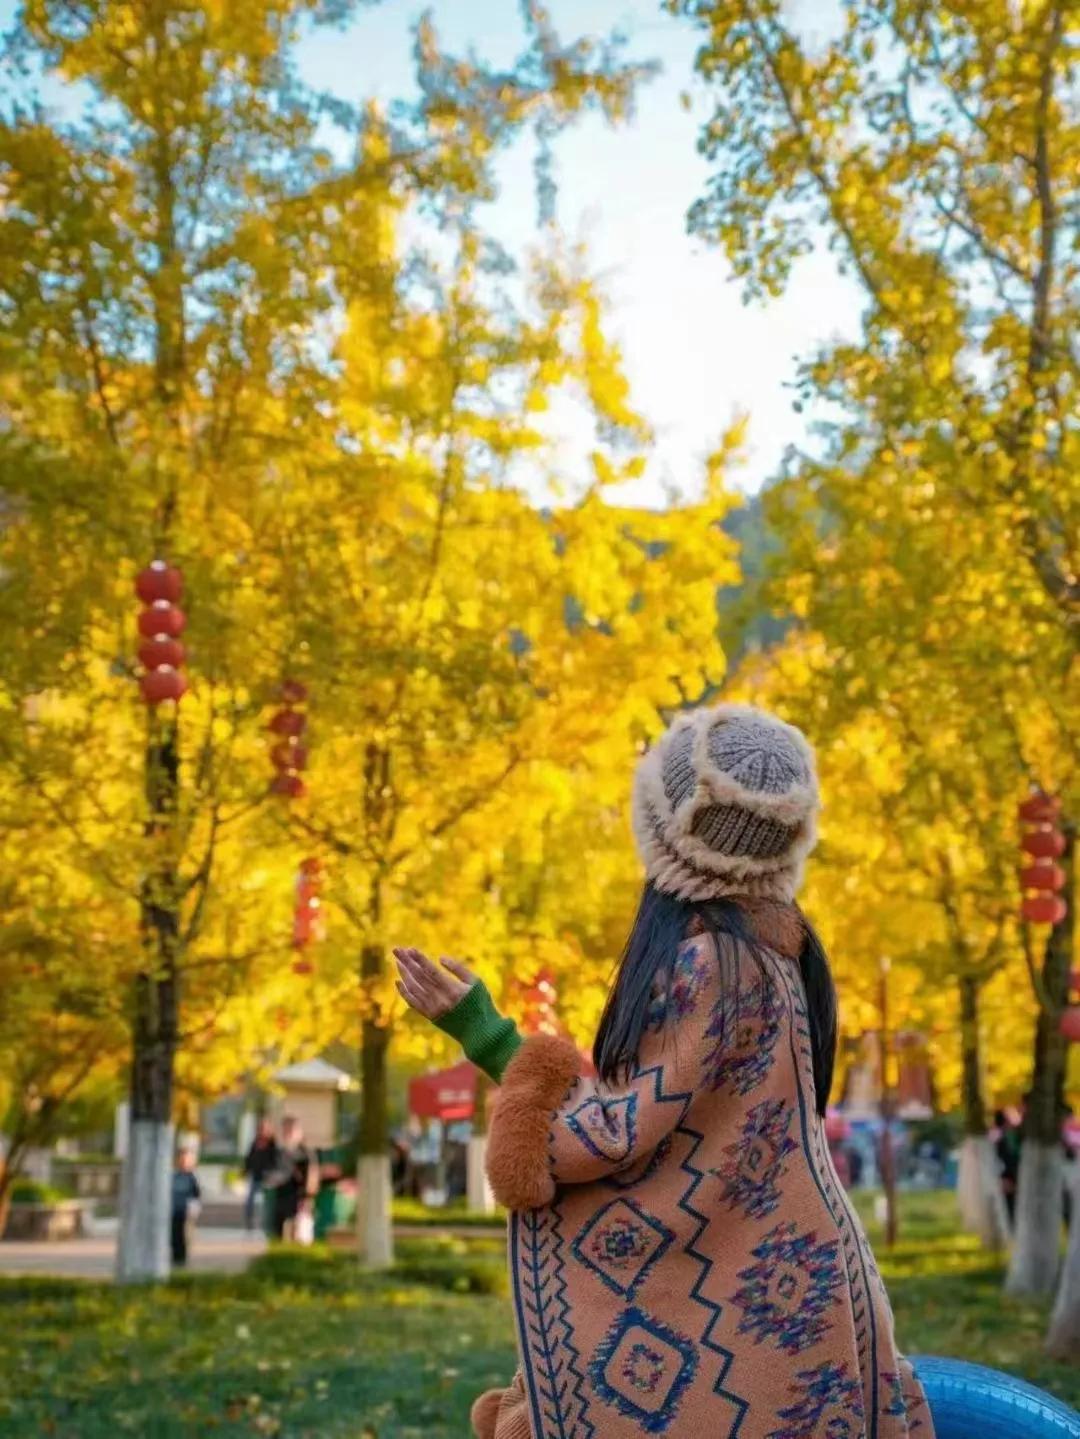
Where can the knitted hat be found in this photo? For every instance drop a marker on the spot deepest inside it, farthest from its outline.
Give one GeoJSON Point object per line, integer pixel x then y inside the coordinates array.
{"type": "Point", "coordinates": [725, 804]}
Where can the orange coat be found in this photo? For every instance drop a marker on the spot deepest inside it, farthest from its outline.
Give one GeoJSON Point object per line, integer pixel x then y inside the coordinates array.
{"type": "Point", "coordinates": [684, 1259]}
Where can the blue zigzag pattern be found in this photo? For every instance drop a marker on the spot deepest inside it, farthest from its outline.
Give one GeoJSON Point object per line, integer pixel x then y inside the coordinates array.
{"type": "Point", "coordinates": [691, 1250]}
{"type": "Point", "coordinates": [574, 1354]}
{"type": "Point", "coordinates": [684, 1098]}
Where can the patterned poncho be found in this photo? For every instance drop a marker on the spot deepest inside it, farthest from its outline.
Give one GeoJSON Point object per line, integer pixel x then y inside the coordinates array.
{"type": "Point", "coordinates": [684, 1258]}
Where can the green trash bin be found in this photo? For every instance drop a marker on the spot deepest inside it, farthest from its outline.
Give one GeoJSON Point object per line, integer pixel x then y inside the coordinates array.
{"type": "Point", "coordinates": [333, 1210]}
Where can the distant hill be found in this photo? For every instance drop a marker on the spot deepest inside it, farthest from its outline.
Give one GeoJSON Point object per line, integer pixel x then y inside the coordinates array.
{"type": "Point", "coordinates": [745, 623]}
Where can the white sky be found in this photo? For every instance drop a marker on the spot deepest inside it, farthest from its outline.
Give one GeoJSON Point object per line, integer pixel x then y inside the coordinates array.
{"type": "Point", "coordinates": [694, 353]}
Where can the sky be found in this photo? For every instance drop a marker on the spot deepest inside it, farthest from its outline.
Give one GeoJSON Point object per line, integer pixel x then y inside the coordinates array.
{"type": "Point", "coordinates": [695, 354]}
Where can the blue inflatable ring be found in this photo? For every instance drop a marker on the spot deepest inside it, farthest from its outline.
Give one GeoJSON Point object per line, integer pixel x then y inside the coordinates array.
{"type": "Point", "coordinates": [969, 1401]}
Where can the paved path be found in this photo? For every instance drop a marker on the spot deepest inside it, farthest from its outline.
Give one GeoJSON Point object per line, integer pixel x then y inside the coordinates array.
{"type": "Point", "coordinates": [223, 1251]}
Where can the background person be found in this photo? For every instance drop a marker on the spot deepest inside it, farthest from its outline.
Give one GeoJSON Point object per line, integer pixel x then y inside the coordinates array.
{"type": "Point", "coordinates": [261, 1160]}
{"type": "Point", "coordinates": [186, 1196]}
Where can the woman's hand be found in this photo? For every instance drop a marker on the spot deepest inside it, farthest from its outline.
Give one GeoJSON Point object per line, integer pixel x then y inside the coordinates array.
{"type": "Point", "coordinates": [431, 989]}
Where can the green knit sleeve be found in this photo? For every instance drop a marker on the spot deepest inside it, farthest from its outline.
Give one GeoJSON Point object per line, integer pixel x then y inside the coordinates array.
{"type": "Point", "coordinates": [488, 1038]}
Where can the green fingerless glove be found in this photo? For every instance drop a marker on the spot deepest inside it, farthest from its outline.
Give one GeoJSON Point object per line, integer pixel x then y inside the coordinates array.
{"type": "Point", "coordinates": [488, 1039]}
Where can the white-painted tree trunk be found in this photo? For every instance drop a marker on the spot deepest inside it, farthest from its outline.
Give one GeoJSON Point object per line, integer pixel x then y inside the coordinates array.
{"type": "Point", "coordinates": [1036, 1254]}
{"type": "Point", "coordinates": [121, 1129]}
{"type": "Point", "coordinates": [375, 1235]}
{"type": "Point", "coordinates": [478, 1191]}
{"type": "Point", "coordinates": [978, 1191]}
{"type": "Point", "coordinates": [142, 1248]}
{"type": "Point", "coordinates": [1063, 1339]}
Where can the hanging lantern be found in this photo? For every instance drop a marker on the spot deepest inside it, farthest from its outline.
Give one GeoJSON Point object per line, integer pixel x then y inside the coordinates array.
{"type": "Point", "coordinates": [291, 786]}
{"type": "Point", "coordinates": [293, 692]}
{"type": "Point", "coordinates": [159, 581]}
{"type": "Point", "coordinates": [1040, 808]}
{"type": "Point", "coordinates": [1070, 1024]}
{"type": "Point", "coordinates": [307, 912]}
{"type": "Point", "coordinates": [1046, 876]}
{"type": "Point", "coordinates": [163, 684]}
{"type": "Point", "coordinates": [161, 618]}
{"type": "Point", "coordinates": [288, 755]}
{"type": "Point", "coordinates": [1043, 909]}
{"type": "Point", "coordinates": [302, 927]}
{"type": "Point", "coordinates": [290, 723]}
{"type": "Point", "coordinates": [161, 651]}
{"type": "Point", "coordinates": [1044, 843]}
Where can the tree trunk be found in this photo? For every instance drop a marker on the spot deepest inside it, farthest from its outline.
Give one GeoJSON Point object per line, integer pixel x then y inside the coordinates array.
{"type": "Point", "coordinates": [982, 1204]}
{"type": "Point", "coordinates": [8, 1175]}
{"type": "Point", "coordinates": [1063, 1339]}
{"type": "Point", "coordinates": [1037, 1248]}
{"type": "Point", "coordinates": [142, 1248]}
{"type": "Point", "coordinates": [375, 1233]}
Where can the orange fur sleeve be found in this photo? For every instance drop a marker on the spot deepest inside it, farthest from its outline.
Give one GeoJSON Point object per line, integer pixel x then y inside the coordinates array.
{"type": "Point", "coordinates": [534, 1086]}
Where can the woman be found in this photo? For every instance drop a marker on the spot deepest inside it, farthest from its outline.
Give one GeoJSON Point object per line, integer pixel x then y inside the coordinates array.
{"type": "Point", "coordinates": [684, 1258]}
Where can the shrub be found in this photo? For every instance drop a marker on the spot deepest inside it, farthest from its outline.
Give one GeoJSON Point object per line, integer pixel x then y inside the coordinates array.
{"type": "Point", "coordinates": [32, 1191]}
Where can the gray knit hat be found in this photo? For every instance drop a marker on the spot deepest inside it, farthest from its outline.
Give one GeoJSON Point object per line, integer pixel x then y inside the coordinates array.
{"type": "Point", "coordinates": [725, 803]}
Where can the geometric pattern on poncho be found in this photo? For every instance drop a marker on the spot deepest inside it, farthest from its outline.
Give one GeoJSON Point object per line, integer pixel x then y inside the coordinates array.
{"type": "Point", "coordinates": [828, 1405]}
{"type": "Point", "coordinates": [786, 1295]}
{"type": "Point", "coordinates": [756, 1162]}
{"type": "Point", "coordinates": [607, 1131]}
{"type": "Point", "coordinates": [745, 1027]}
{"type": "Point", "coordinates": [621, 1243]}
{"type": "Point", "coordinates": [641, 1368]}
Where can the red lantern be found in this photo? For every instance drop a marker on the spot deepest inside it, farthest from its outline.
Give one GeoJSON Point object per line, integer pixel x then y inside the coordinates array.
{"type": "Point", "coordinates": [1045, 876]}
{"type": "Point", "coordinates": [289, 755]}
{"type": "Point", "coordinates": [1044, 843]}
{"type": "Point", "coordinates": [301, 929]}
{"type": "Point", "coordinates": [160, 685]}
{"type": "Point", "coordinates": [1043, 909]}
{"type": "Point", "coordinates": [289, 785]}
{"type": "Point", "coordinates": [303, 966]}
{"type": "Point", "coordinates": [161, 651]}
{"type": "Point", "coordinates": [289, 723]}
{"type": "Point", "coordinates": [293, 692]}
{"type": "Point", "coordinates": [159, 581]}
{"type": "Point", "coordinates": [1070, 1024]}
{"type": "Point", "coordinates": [1040, 808]}
{"type": "Point", "coordinates": [162, 618]}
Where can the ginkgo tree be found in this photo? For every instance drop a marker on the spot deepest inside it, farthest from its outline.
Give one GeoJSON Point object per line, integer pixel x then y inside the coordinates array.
{"type": "Point", "coordinates": [933, 147]}
{"type": "Point", "coordinates": [170, 282]}
{"type": "Point", "coordinates": [455, 638]}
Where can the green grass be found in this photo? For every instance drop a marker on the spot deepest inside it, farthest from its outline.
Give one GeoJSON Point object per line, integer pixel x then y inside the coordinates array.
{"type": "Point", "coordinates": [302, 1346]}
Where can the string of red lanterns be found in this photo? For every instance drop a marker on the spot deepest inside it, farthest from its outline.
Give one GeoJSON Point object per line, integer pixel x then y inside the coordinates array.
{"type": "Point", "coordinates": [1042, 881]}
{"type": "Point", "coordinates": [288, 755]}
{"type": "Point", "coordinates": [161, 623]}
{"type": "Point", "coordinates": [1044, 842]}
{"type": "Point", "coordinates": [307, 916]}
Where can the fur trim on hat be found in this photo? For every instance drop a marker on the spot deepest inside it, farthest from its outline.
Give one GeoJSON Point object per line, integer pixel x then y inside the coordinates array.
{"type": "Point", "coordinates": [536, 1082]}
{"type": "Point", "coordinates": [683, 863]}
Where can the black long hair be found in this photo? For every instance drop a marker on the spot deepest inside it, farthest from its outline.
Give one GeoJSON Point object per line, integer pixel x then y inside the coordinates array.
{"type": "Point", "coordinates": [648, 961]}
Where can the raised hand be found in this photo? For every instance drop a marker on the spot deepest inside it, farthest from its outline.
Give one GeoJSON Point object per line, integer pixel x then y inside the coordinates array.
{"type": "Point", "coordinates": [431, 989]}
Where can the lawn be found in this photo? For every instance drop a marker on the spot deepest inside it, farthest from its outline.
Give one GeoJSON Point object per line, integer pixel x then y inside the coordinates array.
{"type": "Point", "coordinates": [303, 1346]}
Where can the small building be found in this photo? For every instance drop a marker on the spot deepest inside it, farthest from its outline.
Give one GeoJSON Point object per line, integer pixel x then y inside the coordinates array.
{"type": "Point", "coordinates": [311, 1093]}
